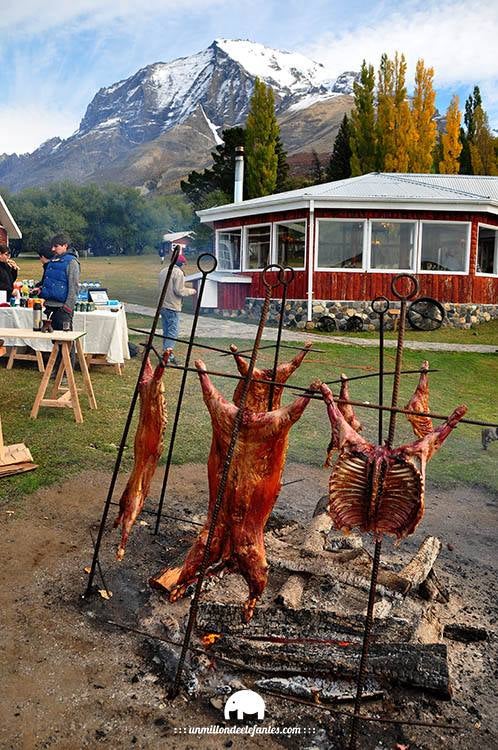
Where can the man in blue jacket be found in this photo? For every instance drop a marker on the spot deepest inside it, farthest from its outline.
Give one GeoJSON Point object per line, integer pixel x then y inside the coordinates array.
{"type": "Point", "coordinates": [61, 283]}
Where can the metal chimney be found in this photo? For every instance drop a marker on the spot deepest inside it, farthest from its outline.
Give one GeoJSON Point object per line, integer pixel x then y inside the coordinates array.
{"type": "Point", "coordinates": [238, 188]}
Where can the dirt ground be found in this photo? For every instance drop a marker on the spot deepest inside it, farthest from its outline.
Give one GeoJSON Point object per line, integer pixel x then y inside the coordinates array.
{"type": "Point", "coordinates": [71, 680]}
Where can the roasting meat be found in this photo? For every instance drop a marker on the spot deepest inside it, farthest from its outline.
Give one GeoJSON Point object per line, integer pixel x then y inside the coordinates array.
{"type": "Point", "coordinates": [147, 450]}
{"type": "Point", "coordinates": [375, 488]}
{"type": "Point", "coordinates": [421, 426]}
{"type": "Point", "coordinates": [259, 393]}
{"type": "Point", "coordinates": [252, 487]}
{"type": "Point", "coordinates": [347, 412]}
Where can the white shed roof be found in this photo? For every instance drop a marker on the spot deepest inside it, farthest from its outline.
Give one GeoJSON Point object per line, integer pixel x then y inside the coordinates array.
{"type": "Point", "coordinates": [175, 236]}
{"type": "Point", "coordinates": [377, 190]}
{"type": "Point", "coordinates": [7, 221]}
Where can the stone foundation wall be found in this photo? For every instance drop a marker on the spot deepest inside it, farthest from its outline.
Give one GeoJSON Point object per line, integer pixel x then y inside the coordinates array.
{"type": "Point", "coordinates": [337, 314]}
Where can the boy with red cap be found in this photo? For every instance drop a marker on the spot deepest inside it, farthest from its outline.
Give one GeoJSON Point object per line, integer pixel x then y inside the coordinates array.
{"type": "Point", "coordinates": [172, 303]}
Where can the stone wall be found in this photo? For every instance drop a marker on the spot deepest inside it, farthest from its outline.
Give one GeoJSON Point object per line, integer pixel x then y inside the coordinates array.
{"type": "Point", "coordinates": [338, 314]}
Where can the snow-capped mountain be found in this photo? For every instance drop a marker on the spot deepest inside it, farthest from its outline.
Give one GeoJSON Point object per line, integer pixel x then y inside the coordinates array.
{"type": "Point", "coordinates": [204, 93]}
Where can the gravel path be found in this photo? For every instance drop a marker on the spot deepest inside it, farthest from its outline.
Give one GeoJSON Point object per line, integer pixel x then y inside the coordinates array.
{"type": "Point", "coordinates": [220, 328]}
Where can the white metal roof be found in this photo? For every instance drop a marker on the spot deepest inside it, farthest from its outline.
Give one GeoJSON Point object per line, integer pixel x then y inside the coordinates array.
{"type": "Point", "coordinates": [377, 190]}
{"type": "Point", "coordinates": [175, 236]}
{"type": "Point", "coordinates": [7, 221]}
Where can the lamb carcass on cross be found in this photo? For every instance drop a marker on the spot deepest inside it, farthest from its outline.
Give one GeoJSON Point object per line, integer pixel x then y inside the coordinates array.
{"type": "Point", "coordinates": [259, 393]}
{"type": "Point", "coordinates": [149, 443]}
{"type": "Point", "coordinates": [253, 484]}
{"type": "Point", "coordinates": [376, 488]}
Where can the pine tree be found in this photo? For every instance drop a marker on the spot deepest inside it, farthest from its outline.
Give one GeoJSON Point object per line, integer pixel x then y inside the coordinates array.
{"type": "Point", "coordinates": [339, 166]}
{"type": "Point", "coordinates": [482, 152]}
{"type": "Point", "coordinates": [362, 124]}
{"type": "Point", "coordinates": [262, 132]}
{"type": "Point", "coordinates": [199, 185]}
{"type": "Point", "coordinates": [451, 144]}
{"type": "Point", "coordinates": [397, 159]}
{"type": "Point", "coordinates": [423, 139]}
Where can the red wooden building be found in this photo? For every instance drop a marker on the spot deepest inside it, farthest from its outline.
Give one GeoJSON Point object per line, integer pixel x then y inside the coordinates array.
{"type": "Point", "coordinates": [347, 239]}
{"type": "Point", "coordinates": [8, 227]}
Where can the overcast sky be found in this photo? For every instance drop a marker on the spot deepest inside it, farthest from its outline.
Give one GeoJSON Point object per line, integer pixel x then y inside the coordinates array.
{"type": "Point", "coordinates": [55, 54]}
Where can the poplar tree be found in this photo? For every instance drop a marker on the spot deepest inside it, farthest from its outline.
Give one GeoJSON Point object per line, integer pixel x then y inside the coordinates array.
{"type": "Point", "coordinates": [339, 166]}
{"type": "Point", "coordinates": [385, 112]}
{"type": "Point", "coordinates": [262, 133]}
{"type": "Point", "coordinates": [362, 124]}
{"type": "Point", "coordinates": [397, 158]}
{"type": "Point", "coordinates": [451, 144]}
{"type": "Point", "coordinates": [421, 145]}
{"type": "Point", "coordinates": [482, 152]}
{"type": "Point", "coordinates": [474, 100]}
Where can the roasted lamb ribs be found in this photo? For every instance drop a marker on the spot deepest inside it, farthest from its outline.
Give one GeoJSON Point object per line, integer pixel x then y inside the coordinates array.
{"type": "Point", "coordinates": [258, 393]}
{"type": "Point", "coordinates": [376, 488]}
{"type": "Point", "coordinates": [252, 487]}
{"type": "Point", "coordinates": [147, 450]}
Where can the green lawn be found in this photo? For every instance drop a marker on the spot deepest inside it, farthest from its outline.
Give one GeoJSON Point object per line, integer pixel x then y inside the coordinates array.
{"type": "Point", "coordinates": [62, 448]}
{"type": "Point", "coordinates": [134, 279]}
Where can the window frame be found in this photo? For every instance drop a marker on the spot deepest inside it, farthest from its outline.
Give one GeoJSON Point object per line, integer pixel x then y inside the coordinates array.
{"type": "Point", "coordinates": [321, 269]}
{"type": "Point", "coordinates": [368, 259]}
{"type": "Point", "coordinates": [480, 273]}
{"type": "Point", "coordinates": [274, 253]}
{"type": "Point", "coordinates": [244, 244]}
{"type": "Point", "coordinates": [465, 272]}
{"type": "Point", "coordinates": [217, 247]}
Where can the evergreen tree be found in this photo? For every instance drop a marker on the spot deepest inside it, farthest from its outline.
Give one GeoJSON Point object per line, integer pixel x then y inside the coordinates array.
{"type": "Point", "coordinates": [474, 100]}
{"type": "Point", "coordinates": [397, 159]}
{"type": "Point", "coordinates": [339, 166]}
{"type": "Point", "coordinates": [220, 176]}
{"type": "Point", "coordinates": [362, 124]}
{"type": "Point", "coordinates": [451, 145]}
{"type": "Point", "coordinates": [482, 152]}
{"type": "Point", "coordinates": [423, 139]}
{"type": "Point", "coordinates": [262, 132]}
{"type": "Point", "coordinates": [317, 172]}
{"type": "Point", "coordinates": [282, 167]}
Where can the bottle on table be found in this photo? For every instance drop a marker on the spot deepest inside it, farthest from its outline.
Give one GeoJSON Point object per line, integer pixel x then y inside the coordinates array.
{"type": "Point", "coordinates": [37, 317]}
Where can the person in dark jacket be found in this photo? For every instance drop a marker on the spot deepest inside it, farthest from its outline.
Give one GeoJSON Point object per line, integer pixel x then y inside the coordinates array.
{"type": "Point", "coordinates": [8, 271]}
{"type": "Point", "coordinates": [61, 283]}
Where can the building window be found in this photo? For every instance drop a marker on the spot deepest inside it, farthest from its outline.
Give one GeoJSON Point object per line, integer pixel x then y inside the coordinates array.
{"type": "Point", "coordinates": [228, 249]}
{"type": "Point", "coordinates": [258, 241]}
{"type": "Point", "coordinates": [444, 247]}
{"type": "Point", "coordinates": [340, 244]}
{"type": "Point", "coordinates": [487, 250]}
{"type": "Point", "coordinates": [291, 244]}
{"type": "Point", "coordinates": [393, 245]}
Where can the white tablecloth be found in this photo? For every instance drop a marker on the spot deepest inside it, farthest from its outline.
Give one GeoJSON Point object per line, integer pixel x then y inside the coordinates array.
{"type": "Point", "coordinates": [106, 332]}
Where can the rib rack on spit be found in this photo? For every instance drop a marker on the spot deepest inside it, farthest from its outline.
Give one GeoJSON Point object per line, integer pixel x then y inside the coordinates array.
{"type": "Point", "coordinates": [375, 488]}
{"type": "Point", "coordinates": [148, 447]}
{"type": "Point", "coordinates": [253, 484]}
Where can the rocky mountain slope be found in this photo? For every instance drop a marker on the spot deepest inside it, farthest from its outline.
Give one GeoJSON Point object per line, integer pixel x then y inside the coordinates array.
{"type": "Point", "coordinates": [154, 127]}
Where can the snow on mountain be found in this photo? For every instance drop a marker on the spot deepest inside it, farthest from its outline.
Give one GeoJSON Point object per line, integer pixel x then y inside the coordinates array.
{"type": "Point", "coordinates": [202, 93]}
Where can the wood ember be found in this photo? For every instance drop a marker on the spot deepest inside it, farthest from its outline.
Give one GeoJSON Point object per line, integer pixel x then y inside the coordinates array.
{"type": "Point", "coordinates": [422, 563]}
{"type": "Point", "coordinates": [465, 633]}
{"type": "Point", "coordinates": [214, 617]}
{"type": "Point", "coordinates": [319, 689]}
{"type": "Point", "coordinates": [422, 666]}
{"type": "Point", "coordinates": [433, 590]}
{"type": "Point", "coordinates": [291, 593]}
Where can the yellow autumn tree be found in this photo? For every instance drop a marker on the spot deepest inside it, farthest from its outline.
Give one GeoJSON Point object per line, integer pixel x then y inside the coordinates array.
{"type": "Point", "coordinates": [423, 136]}
{"type": "Point", "coordinates": [451, 143]}
{"type": "Point", "coordinates": [482, 152]}
{"type": "Point", "coordinates": [397, 158]}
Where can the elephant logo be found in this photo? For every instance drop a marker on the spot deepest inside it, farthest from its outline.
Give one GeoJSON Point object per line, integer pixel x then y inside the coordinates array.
{"type": "Point", "coordinates": [245, 702]}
